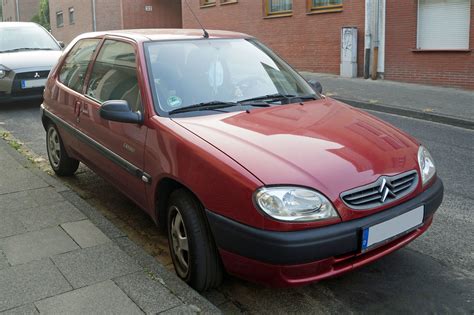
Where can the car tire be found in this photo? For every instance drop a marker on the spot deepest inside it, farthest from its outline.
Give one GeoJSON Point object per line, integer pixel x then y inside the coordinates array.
{"type": "Point", "coordinates": [60, 162]}
{"type": "Point", "coordinates": [191, 244]}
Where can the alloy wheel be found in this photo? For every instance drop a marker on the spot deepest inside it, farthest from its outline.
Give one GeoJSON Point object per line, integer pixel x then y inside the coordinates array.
{"type": "Point", "coordinates": [179, 242]}
{"type": "Point", "coordinates": [54, 147]}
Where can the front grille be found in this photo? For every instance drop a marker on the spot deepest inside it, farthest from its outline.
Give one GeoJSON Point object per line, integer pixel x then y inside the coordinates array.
{"type": "Point", "coordinates": [385, 190]}
{"type": "Point", "coordinates": [16, 86]}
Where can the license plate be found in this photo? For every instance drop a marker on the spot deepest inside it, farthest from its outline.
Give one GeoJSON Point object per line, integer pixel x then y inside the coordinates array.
{"type": "Point", "coordinates": [381, 233]}
{"type": "Point", "coordinates": [28, 84]}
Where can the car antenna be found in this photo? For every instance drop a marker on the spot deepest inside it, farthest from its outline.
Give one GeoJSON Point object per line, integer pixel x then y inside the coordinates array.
{"type": "Point", "coordinates": [206, 34]}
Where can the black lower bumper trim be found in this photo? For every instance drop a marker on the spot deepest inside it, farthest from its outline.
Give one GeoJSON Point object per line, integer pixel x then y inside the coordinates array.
{"type": "Point", "coordinates": [299, 247]}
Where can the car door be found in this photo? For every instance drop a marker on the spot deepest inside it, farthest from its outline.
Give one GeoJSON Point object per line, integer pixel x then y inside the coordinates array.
{"type": "Point", "coordinates": [114, 149]}
{"type": "Point", "coordinates": [66, 93]}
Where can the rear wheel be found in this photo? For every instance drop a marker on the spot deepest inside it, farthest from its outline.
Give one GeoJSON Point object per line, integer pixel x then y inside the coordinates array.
{"type": "Point", "coordinates": [61, 163]}
{"type": "Point", "coordinates": [192, 246]}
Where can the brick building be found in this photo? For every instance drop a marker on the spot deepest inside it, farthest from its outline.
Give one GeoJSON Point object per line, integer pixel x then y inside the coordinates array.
{"type": "Point", "coordinates": [69, 19]}
{"type": "Point", "coordinates": [421, 41]}
{"type": "Point", "coordinates": [19, 10]}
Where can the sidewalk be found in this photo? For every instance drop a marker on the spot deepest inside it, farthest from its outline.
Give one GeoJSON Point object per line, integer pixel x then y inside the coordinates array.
{"type": "Point", "coordinates": [440, 104]}
{"type": "Point", "coordinates": [59, 255]}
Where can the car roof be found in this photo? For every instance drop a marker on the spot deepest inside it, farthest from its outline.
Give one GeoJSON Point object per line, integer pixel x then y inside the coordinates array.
{"type": "Point", "coordinates": [11, 24]}
{"type": "Point", "coordinates": [158, 34]}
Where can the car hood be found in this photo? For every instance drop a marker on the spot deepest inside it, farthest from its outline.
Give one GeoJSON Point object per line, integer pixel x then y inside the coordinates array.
{"type": "Point", "coordinates": [40, 59]}
{"type": "Point", "coordinates": [323, 144]}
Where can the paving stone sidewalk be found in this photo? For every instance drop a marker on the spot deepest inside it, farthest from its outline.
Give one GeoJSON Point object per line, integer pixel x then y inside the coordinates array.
{"type": "Point", "coordinates": [58, 255]}
{"type": "Point", "coordinates": [441, 104]}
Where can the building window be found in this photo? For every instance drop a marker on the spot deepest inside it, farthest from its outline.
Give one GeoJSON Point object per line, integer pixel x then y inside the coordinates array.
{"type": "Point", "coordinates": [443, 25]}
{"type": "Point", "coordinates": [228, 1]}
{"type": "Point", "coordinates": [319, 6]}
{"type": "Point", "coordinates": [207, 3]}
{"type": "Point", "coordinates": [71, 15]}
{"type": "Point", "coordinates": [278, 7]}
{"type": "Point", "coordinates": [59, 19]}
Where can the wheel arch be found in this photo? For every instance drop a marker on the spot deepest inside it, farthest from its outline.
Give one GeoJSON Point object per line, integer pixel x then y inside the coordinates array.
{"type": "Point", "coordinates": [164, 188]}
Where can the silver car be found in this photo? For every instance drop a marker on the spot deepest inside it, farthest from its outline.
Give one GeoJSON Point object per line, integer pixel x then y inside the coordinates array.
{"type": "Point", "coordinates": [27, 54]}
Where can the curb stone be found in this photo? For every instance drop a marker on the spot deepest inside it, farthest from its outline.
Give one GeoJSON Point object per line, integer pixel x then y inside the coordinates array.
{"type": "Point", "coordinates": [186, 294]}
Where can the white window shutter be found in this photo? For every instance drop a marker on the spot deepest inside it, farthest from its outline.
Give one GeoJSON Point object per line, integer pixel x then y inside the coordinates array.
{"type": "Point", "coordinates": [443, 24]}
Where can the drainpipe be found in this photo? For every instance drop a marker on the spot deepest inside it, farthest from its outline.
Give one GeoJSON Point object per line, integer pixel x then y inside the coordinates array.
{"type": "Point", "coordinates": [368, 37]}
{"type": "Point", "coordinates": [94, 19]}
{"type": "Point", "coordinates": [17, 11]}
{"type": "Point", "coordinates": [375, 59]}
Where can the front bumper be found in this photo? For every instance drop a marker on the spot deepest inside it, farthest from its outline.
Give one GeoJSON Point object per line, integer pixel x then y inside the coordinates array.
{"type": "Point", "coordinates": [11, 86]}
{"type": "Point", "coordinates": [291, 258]}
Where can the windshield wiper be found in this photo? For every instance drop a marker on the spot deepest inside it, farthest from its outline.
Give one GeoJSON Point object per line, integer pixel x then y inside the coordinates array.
{"type": "Point", "coordinates": [268, 97]}
{"type": "Point", "coordinates": [214, 105]}
{"type": "Point", "coordinates": [204, 106]}
{"type": "Point", "coordinates": [279, 96]}
{"type": "Point", "coordinates": [24, 48]}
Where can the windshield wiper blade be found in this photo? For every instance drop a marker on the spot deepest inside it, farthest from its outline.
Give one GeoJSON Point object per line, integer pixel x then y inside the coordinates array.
{"type": "Point", "coordinates": [268, 97]}
{"type": "Point", "coordinates": [24, 48]}
{"type": "Point", "coordinates": [204, 106]}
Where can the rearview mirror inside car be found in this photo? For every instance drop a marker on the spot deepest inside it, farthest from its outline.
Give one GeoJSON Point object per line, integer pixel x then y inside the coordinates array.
{"type": "Point", "coordinates": [120, 111]}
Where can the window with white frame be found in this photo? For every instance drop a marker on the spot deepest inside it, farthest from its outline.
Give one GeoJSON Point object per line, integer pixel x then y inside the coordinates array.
{"type": "Point", "coordinates": [72, 18]}
{"type": "Point", "coordinates": [443, 24]}
{"type": "Point", "coordinates": [59, 19]}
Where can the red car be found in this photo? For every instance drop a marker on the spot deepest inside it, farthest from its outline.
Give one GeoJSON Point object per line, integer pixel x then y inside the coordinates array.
{"type": "Point", "coordinates": [249, 167]}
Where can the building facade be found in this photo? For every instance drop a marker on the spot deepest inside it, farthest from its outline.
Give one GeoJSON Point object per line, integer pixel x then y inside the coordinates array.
{"type": "Point", "coordinates": [19, 10]}
{"type": "Point", "coordinates": [70, 18]}
{"type": "Point", "coordinates": [419, 41]}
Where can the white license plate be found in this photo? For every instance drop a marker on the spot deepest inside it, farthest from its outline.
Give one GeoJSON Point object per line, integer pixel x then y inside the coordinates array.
{"type": "Point", "coordinates": [385, 231]}
{"type": "Point", "coordinates": [28, 84]}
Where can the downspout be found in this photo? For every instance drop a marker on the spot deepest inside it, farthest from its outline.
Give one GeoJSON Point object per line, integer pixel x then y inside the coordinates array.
{"type": "Point", "coordinates": [17, 11]}
{"type": "Point", "coordinates": [375, 59]}
{"type": "Point", "coordinates": [94, 19]}
{"type": "Point", "coordinates": [368, 38]}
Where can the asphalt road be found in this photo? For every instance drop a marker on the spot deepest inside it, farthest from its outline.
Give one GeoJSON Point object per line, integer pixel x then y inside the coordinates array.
{"type": "Point", "coordinates": [434, 274]}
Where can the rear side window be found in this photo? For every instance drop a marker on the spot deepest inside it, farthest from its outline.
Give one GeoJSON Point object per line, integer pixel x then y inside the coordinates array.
{"type": "Point", "coordinates": [114, 76]}
{"type": "Point", "coordinates": [74, 69]}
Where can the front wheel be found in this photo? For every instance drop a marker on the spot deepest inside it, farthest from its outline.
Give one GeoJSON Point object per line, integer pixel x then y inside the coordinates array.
{"type": "Point", "coordinates": [191, 244]}
{"type": "Point", "coordinates": [61, 163]}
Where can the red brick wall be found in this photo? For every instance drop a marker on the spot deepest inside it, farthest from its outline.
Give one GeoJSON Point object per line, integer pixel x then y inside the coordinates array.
{"type": "Point", "coordinates": [308, 42]}
{"type": "Point", "coordinates": [165, 14]}
{"type": "Point", "coordinates": [82, 16]}
{"type": "Point", "coordinates": [108, 15]}
{"type": "Point", "coordinates": [454, 69]}
{"type": "Point", "coordinates": [27, 8]}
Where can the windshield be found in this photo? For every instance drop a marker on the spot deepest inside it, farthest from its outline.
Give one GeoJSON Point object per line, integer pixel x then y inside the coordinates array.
{"type": "Point", "coordinates": [16, 38]}
{"type": "Point", "coordinates": [186, 73]}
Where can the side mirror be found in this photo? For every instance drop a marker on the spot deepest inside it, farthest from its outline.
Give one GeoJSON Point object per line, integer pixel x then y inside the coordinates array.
{"type": "Point", "coordinates": [61, 44]}
{"type": "Point", "coordinates": [120, 111]}
{"type": "Point", "coordinates": [316, 85]}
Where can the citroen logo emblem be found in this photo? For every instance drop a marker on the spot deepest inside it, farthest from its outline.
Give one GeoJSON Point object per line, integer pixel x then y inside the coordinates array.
{"type": "Point", "coordinates": [37, 75]}
{"type": "Point", "coordinates": [385, 191]}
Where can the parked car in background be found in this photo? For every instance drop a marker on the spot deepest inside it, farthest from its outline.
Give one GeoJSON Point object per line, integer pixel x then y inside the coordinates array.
{"type": "Point", "coordinates": [27, 54]}
{"type": "Point", "coordinates": [249, 167]}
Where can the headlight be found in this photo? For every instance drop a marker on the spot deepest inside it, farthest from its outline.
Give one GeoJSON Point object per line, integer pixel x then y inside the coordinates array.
{"type": "Point", "coordinates": [426, 162]}
{"type": "Point", "coordinates": [294, 204]}
{"type": "Point", "coordinates": [3, 71]}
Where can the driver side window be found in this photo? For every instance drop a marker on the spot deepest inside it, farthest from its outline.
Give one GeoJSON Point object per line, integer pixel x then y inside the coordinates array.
{"type": "Point", "coordinates": [114, 76]}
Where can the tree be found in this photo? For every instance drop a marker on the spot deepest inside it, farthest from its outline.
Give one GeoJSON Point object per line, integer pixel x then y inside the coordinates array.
{"type": "Point", "coordinates": [42, 17]}
{"type": "Point", "coordinates": [1, 12]}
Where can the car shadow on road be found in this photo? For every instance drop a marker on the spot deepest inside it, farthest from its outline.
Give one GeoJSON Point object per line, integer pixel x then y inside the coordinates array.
{"type": "Point", "coordinates": [16, 106]}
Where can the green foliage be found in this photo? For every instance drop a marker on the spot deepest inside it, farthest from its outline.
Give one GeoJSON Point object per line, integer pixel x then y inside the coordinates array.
{"type": "Point", "coordinates": [1, 12]}
{"type": "Point", "coordinates": [42, 17]}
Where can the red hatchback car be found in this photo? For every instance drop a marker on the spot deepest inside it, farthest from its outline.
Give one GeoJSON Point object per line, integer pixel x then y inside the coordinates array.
{"type": "Point", "coordinates": [249, 167]}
